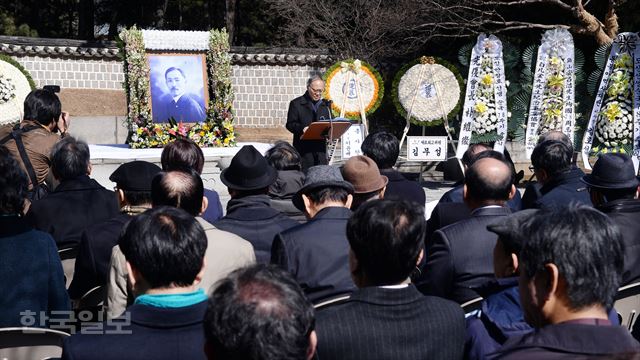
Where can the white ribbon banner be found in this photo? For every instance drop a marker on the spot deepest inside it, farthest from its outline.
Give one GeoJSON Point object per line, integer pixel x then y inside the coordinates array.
{"type": "Point", "coordinates": [492, 47]}
{"type": "Point", "coordinates": [625, 42]}
{"type": "Point", "coordinates": [555, 43]}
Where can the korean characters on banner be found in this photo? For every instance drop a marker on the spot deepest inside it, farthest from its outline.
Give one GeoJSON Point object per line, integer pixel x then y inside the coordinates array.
{"type": "Point", "coordinates": [614, 125]}
{"type": "Point", "coordinates": [352, 141]}
{"type": "Point", "coordinates": [553, 95]}
{"type": "Point", "coordinates": [484, 118]}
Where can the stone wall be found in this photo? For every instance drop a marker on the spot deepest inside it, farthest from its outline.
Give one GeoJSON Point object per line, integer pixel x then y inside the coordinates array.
{"type": "Point", "coordinates": [265, 80]}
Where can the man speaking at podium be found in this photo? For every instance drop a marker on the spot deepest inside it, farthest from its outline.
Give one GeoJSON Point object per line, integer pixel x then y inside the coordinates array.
{"type": "Point", "coordinates": [303, 111]}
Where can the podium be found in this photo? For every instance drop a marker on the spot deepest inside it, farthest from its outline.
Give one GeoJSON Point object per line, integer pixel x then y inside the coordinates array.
{"type": "Point", "coordinates": [321, 130]}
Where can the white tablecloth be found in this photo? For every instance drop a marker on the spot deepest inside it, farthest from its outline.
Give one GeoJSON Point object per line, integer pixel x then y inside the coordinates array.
{"type": "Point", "coordinates": [123, 152]}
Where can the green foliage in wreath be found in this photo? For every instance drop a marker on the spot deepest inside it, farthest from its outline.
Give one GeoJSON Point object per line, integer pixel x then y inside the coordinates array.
{"type": "Point", "coordinates": [24, 71]}
{"type": "Point", "coordinates": [403, 112]}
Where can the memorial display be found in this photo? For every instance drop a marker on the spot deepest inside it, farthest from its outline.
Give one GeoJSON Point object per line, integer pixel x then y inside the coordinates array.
{"type": "Point", "coordinates": [178, 84]}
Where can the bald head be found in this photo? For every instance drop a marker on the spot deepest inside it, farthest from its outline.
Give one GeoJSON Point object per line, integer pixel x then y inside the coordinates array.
{"type": "Point", "coordinates": [180, 188]}
{"type": "Point", "coordinates": [489, 181]}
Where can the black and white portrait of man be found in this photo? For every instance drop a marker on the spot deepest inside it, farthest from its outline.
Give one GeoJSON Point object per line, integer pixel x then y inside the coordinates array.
{"type": "Point", "coordinates": [177, 88]}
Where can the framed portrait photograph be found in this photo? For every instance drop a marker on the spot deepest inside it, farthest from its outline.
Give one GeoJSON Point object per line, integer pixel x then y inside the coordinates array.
{"type": "Point", "coordinates": [178, 86]}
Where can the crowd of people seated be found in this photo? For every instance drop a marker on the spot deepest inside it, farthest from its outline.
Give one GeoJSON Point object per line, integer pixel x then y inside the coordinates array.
{"type": "Point", "coordinates": [336, 262]}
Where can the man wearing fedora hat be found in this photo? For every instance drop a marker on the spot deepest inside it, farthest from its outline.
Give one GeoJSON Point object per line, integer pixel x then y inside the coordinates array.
{"type": "Point", "coordinates": [249, 212]}
{"type": "Point", "coordinates": [613, 187]}
{"type": "Point", "coordinates": [317, 252]}
{"type": "Point", "coordinates": [368, 184]}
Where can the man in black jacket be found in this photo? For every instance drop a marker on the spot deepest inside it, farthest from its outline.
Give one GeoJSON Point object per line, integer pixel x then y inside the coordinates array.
{"type": "Point", "coordinates": [303, 111]}
{"type": "Point", "coordinates": [384, 148]}
{"type": "Point", "coordinates": [570, 269]}
{"type": "Point", "coordinates": [387, 317]}
{"type": "Point", "coordinates": [317, 252]}
{"type": "Point", "coordinates": [164, 250]}
{"type": "Point", "coordinates": [133, 188]}
{"type": "Point", "coordinates": [613, 187]}
{"type": "Point", "coordinates": [77, 202]}
{"type": "Point", "coordinates": [249, 214]}
{"type": "Point", "coordinates": [460, 256]}
{"type": "Point", "coordinates": [559, 180]}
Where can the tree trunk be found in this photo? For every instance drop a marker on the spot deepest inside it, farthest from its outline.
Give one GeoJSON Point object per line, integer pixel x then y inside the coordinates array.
{"type": "Point", "coordinates": [611, 22]}
{"type": "Point", "coordinates": [230, 19]}
{"type": "Point", "coordinates": [86, 21]}
{"type": "Point", "coordinates": [592, 26]}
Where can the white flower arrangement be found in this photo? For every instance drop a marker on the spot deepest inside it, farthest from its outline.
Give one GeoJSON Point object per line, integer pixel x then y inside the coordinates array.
{"type": "Point", "coordinates": [14, 88]}
{"type": "Point", "coordinates": [439, 91]}
{"type": "Point", "coordinates": [614, 126]}
{"type": "Point", "coordinates": [7, 89]}
{"type": "Point", "coordinates": [485, 119]}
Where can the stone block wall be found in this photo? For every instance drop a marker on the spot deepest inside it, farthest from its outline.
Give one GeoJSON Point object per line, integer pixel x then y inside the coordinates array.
{"type": "Point", "coordinates": [264, 81]}
{"type": "Point", "coordinates": [74, 73]}
{"type": "Point", "coordinates": [263, 92]}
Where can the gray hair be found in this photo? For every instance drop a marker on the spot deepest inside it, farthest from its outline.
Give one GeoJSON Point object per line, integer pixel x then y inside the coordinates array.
{"type": "Point", "coordinates": [314, 78]}
{"type": "Point", "coordinates": [70, 158]}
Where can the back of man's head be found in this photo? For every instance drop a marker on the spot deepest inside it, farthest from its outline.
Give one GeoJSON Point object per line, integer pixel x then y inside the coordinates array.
{"type": "Point", "coordinates": [179, 188]}
{"type": "Point", "coordinates": [489, 181]}
{"type": "Point", "coordinates": [283, 156]}
{"type": "Point", "coordinates": [182, 154]}
{"type": "Point", "coordinates": [70, 158]}
{"type": "Point", "coordinates": [555, 135]}
{"type": "Point", "coordinates": [13, 184]}
{"type": "Point", "coordinates": [386, 238]}
{"type": "Point", "coordinates": [584, 245]}
{"type": "Point", "coordinates": [383, 148]}
{"type": "Point", "coordinates": [472, 152]}
{"type": "Point", "coordinates": [259, 313]}
{"type": "Point", "coordinates": [554, 157]}
{"type": "Point", "coordinates": [166, 245]}
{"type": "Point", "coordinates": [42, 106]}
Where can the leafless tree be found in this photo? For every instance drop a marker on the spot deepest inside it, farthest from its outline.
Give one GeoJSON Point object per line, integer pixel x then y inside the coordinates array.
{"type": "Point", "coordinates": [377, 29]}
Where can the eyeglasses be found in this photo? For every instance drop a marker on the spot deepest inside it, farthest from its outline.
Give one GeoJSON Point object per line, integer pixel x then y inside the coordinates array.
{"type": "Point", "coordinates": [532, 168]}
{"type": "Point", "coordinates": [316, 90]}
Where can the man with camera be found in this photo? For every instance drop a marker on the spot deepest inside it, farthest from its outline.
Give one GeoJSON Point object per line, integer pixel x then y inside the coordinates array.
{"type": "Point", "coordinates": [30, 142]}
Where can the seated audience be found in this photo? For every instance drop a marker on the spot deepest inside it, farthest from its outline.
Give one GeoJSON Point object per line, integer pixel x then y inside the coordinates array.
{"type": "Point", "coordinates": [472, 154]}
{"type": "Point", "coordinates": [559, 182]}
{"type": "Point", "coordinates": [384, 148]}
{"type": "Point", "coordinates": [32, 276]}
{"type": "Point", "coordinates": [365, 177]}
{"type": "Point", "coordinates": [286, 160]}
{"type": "Point", "coordinates": [225, 251]}
{"type": "Point", "coordinates": [460, 256]}
{"type": "Point", "coordinates": [532, 190]}
{"type": "Point", "coordinates": [317, 252]}
{"type": "Point", "coordinates": [500, 316]}
{"type": "Point", "coordinates": [387, 317]}
{"type": "Point", "coordinates": [570, 271]}
{"type": "Point", "coordinates": [184, 153]}
{"type": "Point", "coordinates": [164, 250]}
{"type": "Point", "coordinates": [77, 202]}
{"type": "Point", "coordinates": [613, 187]}
{"type": "Point", "coordinates": [448, 212]}
{"type": "Point", "coordinates": [43, 125]}
{"type": "Point", "coordinates": [133, 188]}
{"type": "Point", "coordinates": [249, 213]}
{"type": "Point", "coordinates": [259, 313]}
